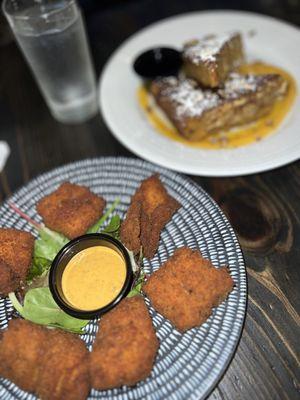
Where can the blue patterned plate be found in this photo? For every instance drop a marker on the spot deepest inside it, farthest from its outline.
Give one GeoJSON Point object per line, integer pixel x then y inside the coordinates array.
{"type": "Point", "coordinates": [189, 365]}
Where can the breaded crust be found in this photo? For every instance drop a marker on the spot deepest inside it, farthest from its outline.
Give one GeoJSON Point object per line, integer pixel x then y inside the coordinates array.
{"type": "Point", "coordinates": [71, 209]}
{"type": "Point", "coordinates": [16, 249]}
{"type": "Point", "coordinates": [150, 210]}
{"type": "Point", "coordinates": [125, 346]}
{"type": "Point", "coordinates": [186, 288]}
{"type": "Point", "coordinates": [21, 349]}
{"type": "Point", "coordinates": [51, 363]}
{"type": "Point", "coordinates": [131, 227]}
{"type": "Point", "coordinates": [65, 372]}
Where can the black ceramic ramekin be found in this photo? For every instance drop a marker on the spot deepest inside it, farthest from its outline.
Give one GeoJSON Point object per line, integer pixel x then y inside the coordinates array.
{"type": "Point", "coordinates": [68, 252]}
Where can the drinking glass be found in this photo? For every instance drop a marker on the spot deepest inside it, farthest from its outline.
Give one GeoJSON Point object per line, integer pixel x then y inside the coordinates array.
{"type": "Point", "coordinates": [52, 37]}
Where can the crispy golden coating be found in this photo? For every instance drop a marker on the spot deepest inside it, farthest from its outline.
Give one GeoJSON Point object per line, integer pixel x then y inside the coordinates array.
{"type": "Point", "coordinates": [64, 373]}
{"type": "Point", "coordinates": [131, 226]}
{"type": "Point", "coordinates": [71, 209]}
{"type": "Point", "coordinates": [150, 210]}
{"type": "Point", "coordinates": [16, 249]}
{"type": "Point", "coordinates": [9, 281]}
{"type": "Point", "coordinates": [21, 349]}
{"type": "Point", "coordinates": [187, 287]}
{"type": "Point", "coordinates": [51, 363]}
{"type": "Point", "coordinates": [125, 347]}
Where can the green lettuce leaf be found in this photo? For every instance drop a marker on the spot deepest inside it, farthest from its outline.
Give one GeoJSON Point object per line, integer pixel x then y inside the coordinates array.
{"type": "Point", "coordinates": [38, 267]}
{"type": "Point", "coordinates": [45, 249]}
{"type": "Point", "coordinates": [39, 307]}
{"type": "Point", "coordinates": [137, 286]}
{"type": "Point", "coordinates": [95, 228]}
{"type": "Point", "coordinates": [113, 228]}
{"type": "Point", "coordinates": [49, 244]}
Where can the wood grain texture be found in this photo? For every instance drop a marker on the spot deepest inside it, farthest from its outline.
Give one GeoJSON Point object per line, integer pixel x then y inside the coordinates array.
{"type": "Point", "coordinates": [264, 209]}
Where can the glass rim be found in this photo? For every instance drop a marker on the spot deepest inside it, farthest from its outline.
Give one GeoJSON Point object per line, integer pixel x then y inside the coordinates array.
{"type": "Point", "coordinates": [11, 15]}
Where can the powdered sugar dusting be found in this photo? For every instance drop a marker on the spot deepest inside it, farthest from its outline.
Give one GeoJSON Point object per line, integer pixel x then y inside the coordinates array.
{"type": "Point", "coordinates": [237, 84]}
{"type": "Point", "coordinates": [207, 48]}
{"type": "Point", "coordinates": [189, 99]}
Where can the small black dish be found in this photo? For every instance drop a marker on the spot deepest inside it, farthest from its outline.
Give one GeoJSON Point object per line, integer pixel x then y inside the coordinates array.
{"type": "Point", "coordinates": [69, 251]}
{"type": "Point", "coordinates": [159, 61]}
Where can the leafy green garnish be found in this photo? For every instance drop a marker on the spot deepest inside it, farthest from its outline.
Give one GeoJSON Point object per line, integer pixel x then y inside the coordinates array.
{"type": "Point", "coordinates": [37, 281]}
{"type": "Point", "coordinates": [39, 307]}
{"type": "Point", "coordinates": [113, 227]}
{"type": "Point", "coordinates": [38, 267]}
{"type": "Point", "coordinates": [137, 288]}
{"type": "Point", "coordinates": [139, 274]}
{"type": "Point", "coordinates": [45, 249]}
{"type": "Point", "coordinates": [49, 244]}
{"type": "Point", "coordinates": [95, 228]}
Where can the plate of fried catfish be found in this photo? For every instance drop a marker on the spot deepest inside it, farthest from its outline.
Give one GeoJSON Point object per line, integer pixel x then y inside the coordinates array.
{"type": "Point", "coordinates": [176, 331]}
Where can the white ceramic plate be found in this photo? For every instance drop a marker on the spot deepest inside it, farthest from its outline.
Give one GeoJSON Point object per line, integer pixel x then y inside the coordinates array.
{"type": "Point", "coordinates": [275, 42]}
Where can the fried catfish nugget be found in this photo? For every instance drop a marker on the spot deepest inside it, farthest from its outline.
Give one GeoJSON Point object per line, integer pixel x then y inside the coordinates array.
{"type": "Point", "coordinates": [16, 249]}
{"type": "Point", "coordinates": [131, 227]}
{"type": "Point", "coordinates": [71, 209]}
{"type": "Point", "coordinates": [51, 363]}
{"type": "Point", "coordinates": [64, 373]}
{"type": "Point", "coordinates": [125, 347]}
{"type": "Point", "coordinates": [187, 287]}
{"type": "Point", "coordinates": [21, 349]}
{"type": "Point", "coordinates": [150, 210]}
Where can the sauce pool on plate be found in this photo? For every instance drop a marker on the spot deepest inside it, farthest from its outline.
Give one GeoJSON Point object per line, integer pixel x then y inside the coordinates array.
{"type": "Point", "coordinates": [93, 278]}
{"type": "Point", "coordinates": [237, 137]}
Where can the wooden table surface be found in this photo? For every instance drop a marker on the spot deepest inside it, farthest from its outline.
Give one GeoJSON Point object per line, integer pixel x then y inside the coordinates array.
{"type": "Point", "coordinates": [264, 209]}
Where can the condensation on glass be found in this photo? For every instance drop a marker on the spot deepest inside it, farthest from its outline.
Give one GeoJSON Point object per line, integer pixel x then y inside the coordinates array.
{"type": "Point", "coordinates": [52, 37]}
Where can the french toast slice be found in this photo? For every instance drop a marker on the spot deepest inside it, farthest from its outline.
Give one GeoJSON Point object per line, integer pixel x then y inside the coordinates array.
{"type": "Point", "coordinates": [211, 59]}
{"type": "Point", "coordinates": [197, 112]}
